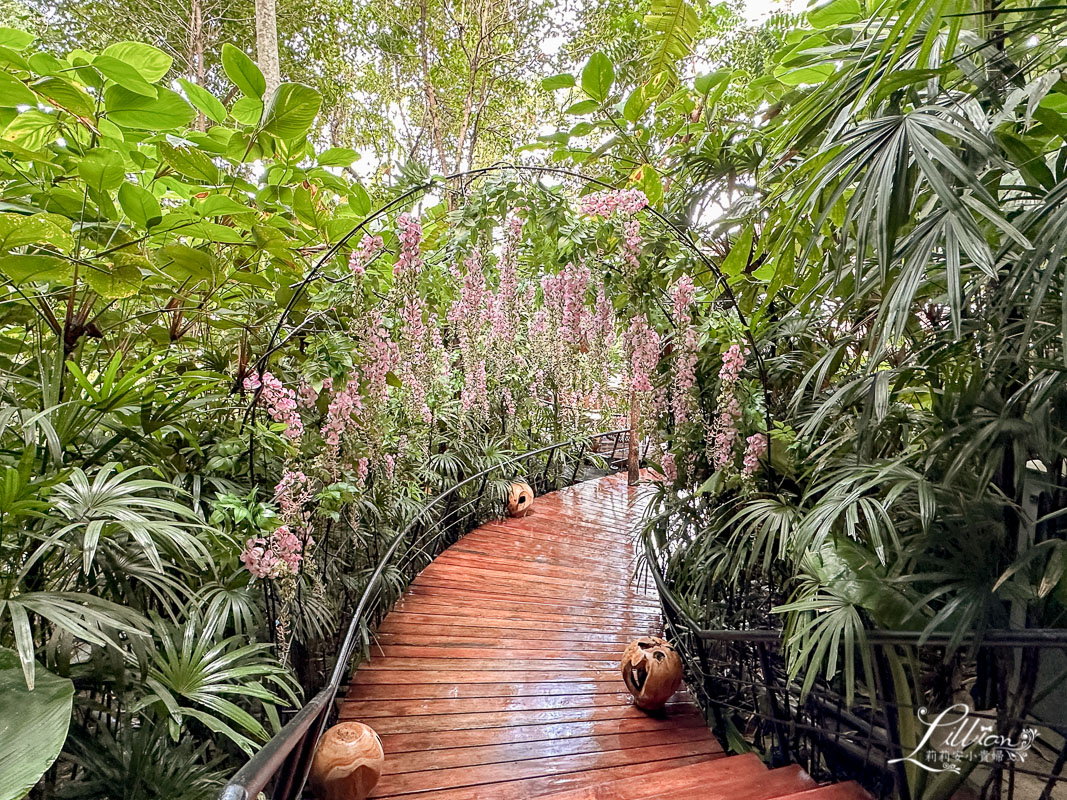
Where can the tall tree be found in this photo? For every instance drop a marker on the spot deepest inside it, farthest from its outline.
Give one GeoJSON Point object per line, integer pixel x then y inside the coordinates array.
{"type": "Point", "coordinates": [267, 43]}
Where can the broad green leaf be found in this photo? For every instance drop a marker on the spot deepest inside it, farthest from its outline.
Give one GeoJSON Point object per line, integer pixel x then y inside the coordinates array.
{"type": "Point", "coordinates": [737, 259]}
{"type": "Point", "coordinates": [582, 107]}
{"type": "Point", "coordinates": [16, 39]}
{"type": "Point", "coordinates": [833, 13]}
{"type": "Point", "coordinates": [338, 157]}
{"type": "Point", "coordinates": [359, 201]}
{"type": "Point", "coordinates": [247, 110]}
{"type": "Point", "coordinates": [563, 80]}
{"type": "Point", "coordinates": [125, 75]}
{"type": "Point", "coordinates": [133, 110]}
{"type": "Point", "coordinates": [14, 92]}
{"type": "Point", "coordinates": [102, 170]}
{"type": "Point", "coordinates": [639, 101]}
{"type": "Point", "coordinates": [213, 232]}
{"type": "Point", "coordinates": [150, 61]}
{"type": "Point", "coordinates": [140, 205]}
{"type": "Point", "coordinates": [651, 184]}
{"type": "Point", "coordinates": [204, 100]}
{"type": "Point", "coordinates": [47, 64]}
{"type": "Point", "coordinates": [708, 81]}
{"type": "Point", "coordinates": [64, 95]}
{"type": "Point", "coordinates": [218, 205]}
{"type": "Point", "coordinates": [33, 724]}
{"type": "Point", "coordinates": [183, 262]}
{"type": "Point", "coordinates": [291, 111]}
{"type": "Point", "coordinates": [271, 239]}
{"type": "Point", "coordinates": [19, 230]}
{"type": "Point", "coordinates": [118, 281]}
{"type": "Point", "coordinates": [24, 269]}
{"type": "Point", "coordinates": [812, 75]}
{"type": "Point", "coordinates": [190, 162]}
{"type": "Point", "coordinates": [243, 72]}
{"type": "Point", "coordinates": [598, 75]}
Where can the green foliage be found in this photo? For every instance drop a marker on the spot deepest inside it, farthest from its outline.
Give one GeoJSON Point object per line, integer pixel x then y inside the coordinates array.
{"type": "Point", "coordinates": [33, 725]}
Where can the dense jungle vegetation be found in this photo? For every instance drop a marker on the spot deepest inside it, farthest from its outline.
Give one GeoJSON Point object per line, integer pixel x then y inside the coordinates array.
{"type": "Point", "coordinates": [253, 313]}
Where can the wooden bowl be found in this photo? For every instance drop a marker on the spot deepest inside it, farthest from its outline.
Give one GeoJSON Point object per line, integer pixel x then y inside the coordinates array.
{"type": "Point", "coordinates": [347, 763]}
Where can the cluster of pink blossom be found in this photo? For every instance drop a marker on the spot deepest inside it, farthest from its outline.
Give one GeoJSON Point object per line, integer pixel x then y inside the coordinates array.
{"type": "Point", "coordinates": [606, 203]}
{"type": "Point", "coordinates": [723, 434]}
{"type": "Point", "coordinates": [306, 394]}
{"type": "Point", "coordinates": [341, 414]}
{"type": "Point", "coordinates": [292, 493]}
{"type": "Point", "coordinates": [575, 283]}
{"type": "Point", "coordinates": [670, 467]}
{"type": "Point", "coordinates": [380, 356]}
{"type": "Point", "coordinates": [631, 244]}
{"type": "Point", "coordinates": [281, 403]}
{"type": "Point", "coordinates": [564, 300]}
{"type": "Point", "coordinates": [275, 556]}
{"type": "Point", "coordinates": [604, 317]}
{"type": "Point", "coordinates": [755, 447]}
{"type": "Point", "coordinates": [389, 465]}
{"type": "Point", "coordinates": [362, 471]}
{"type": "Point", "coordinates": [685, 351]}
{"type": "Point", "coordinates": [469, 314]}
{"type": "Point", "coordinates": [642, 342]}
{"type": "Point", "coordinates": [368, 247]}
{"type": "Point", "coordinates": [409, 262]}
{"type": "Point", "coordinates": [503, 306]}
{"type": "Point", "coordinates": [413, 359]}
{"type": "Point", "coordinates": [475, 394]}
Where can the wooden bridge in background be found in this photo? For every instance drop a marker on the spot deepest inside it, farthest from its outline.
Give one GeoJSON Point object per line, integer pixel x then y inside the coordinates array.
{"type": "Point", "coordinates": [496, 676]}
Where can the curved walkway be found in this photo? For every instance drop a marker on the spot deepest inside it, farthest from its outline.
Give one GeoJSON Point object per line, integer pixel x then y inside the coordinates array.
{"type": "Point", "coordinates": [496, 676]}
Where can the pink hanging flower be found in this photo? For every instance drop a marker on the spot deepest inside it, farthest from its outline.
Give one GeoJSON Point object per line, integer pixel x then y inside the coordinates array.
{"type": "Point", "coordinates": [409, 231]}
{"type": "Point", "coordinates": [723, 434]}
{"type": "Point", "coordinates": [281, 403]}
{"type": "Point", "coordinates": [756, 446]}
{"type": "Point", "coordinates": [274, 556]}
{"type": "Point", "coordinates": [608, 202]}
{"type": "Point", "coordinates": [670, 468]}
{"type": "Point", "coordinates": [643, 344]}
{"type": "Point", "coordinates": [380, 357]}
{"type": "Point", "coordinates": [292, 493]}
{"type": "Point", "coordinates": [685, 353]}
{"type": "Point", "coordinates": [343, 411]}
{"type": "Point", "coordinates": [368, 247]}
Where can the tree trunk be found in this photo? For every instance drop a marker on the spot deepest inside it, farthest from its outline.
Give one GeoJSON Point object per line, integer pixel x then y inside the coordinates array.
{"type": "Point", "coordinates": [432, 109]}
{"type": "Point", "coordinates": [267, 44]}
{"type": "Point", "coordinates": [196, 52]}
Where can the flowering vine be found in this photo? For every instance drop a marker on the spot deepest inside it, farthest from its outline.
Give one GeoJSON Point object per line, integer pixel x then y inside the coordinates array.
{"type": "Point", "coordinates": [723, 434]}
{"type": "Point", "coordinates": [280, 402]}
{"type": "Point", "coordinates": [685, 350]}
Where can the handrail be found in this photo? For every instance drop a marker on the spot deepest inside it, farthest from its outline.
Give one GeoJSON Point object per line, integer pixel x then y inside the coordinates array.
{"type": "Point", "coordinates": [1004, 637]}
{"type": "Point", "coordinates": [742, 679]}
{"type": "Point", "coordinates": [288, 754]}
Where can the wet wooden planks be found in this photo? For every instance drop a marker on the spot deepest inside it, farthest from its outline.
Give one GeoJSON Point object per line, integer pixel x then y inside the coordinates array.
{"type": "Point", "coordinates": [496, 676]}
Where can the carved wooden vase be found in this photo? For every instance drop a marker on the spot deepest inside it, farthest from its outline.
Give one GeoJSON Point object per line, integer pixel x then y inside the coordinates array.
{"type": "Point", "coordinates": [348, 762]}
{"type": "Point", "coordinates": [652, 671]}
{"type": "Point", "coordinates": [520, 499]}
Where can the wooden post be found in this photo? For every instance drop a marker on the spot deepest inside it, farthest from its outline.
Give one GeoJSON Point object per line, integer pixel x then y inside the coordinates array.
{"type": "Point", "coordinates": [633, 458]}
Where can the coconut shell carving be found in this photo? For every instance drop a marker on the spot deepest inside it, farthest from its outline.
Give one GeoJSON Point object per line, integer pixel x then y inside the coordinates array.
{"type": "Point", "coordinates": [652, 671]}
{"type": "Point", "coordinates": [347, 763]}
{"type": "Point", "coordinates": [520, 499]}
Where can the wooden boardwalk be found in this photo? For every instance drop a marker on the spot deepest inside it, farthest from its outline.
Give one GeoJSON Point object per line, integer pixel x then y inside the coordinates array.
{"type": "Point", "coordinates": [496, 676]}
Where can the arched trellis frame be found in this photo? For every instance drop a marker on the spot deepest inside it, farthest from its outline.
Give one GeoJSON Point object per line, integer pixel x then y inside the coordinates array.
{"type": "Point", "coordinates": [681, 235]}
